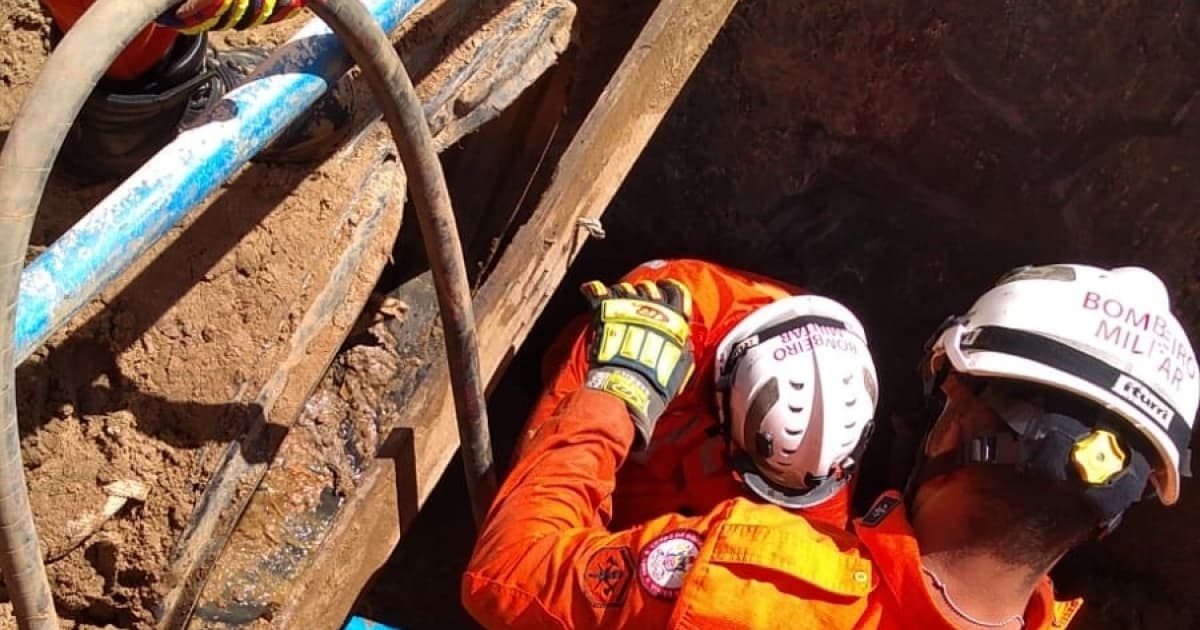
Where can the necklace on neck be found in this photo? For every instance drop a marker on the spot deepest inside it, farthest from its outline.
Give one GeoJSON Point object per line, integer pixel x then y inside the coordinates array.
{"type": "Point", "coordinates": [941, 587]}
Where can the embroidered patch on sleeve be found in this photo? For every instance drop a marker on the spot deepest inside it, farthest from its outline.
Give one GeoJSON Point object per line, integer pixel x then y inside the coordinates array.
{"type": "Point", "coordinates": [664, 562]}
{"type": "Point", "coordinates": [607, 575]}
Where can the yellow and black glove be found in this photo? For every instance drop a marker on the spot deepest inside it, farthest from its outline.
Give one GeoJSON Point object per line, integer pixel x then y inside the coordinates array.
{"type": "Point", "coordinates": [193, 17]}
{"type": "Point", "coordinates": [641, 349]}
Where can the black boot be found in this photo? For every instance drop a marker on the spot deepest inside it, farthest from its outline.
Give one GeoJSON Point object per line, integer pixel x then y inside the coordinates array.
{"type": "Point", "coordinates": [124, 123]}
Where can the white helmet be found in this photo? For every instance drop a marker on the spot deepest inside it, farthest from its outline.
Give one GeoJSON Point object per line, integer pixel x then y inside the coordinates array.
{"type": "Point", "coordinates": [1107, 336]}
{"type": "Point", "coordinates": [796, 393]}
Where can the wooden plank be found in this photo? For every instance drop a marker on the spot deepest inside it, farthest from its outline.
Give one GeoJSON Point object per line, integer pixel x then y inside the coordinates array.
{"type": "Point", "coordinates": [299, 494]}
{"type": "Point", "coordinates": [527, 157]}
{"type": "Point", "coordinates": [375, 213]}
{"type": "Point", "coordinates": [588, 176]}
{"type": "Point", "coordinates": [474, 82]}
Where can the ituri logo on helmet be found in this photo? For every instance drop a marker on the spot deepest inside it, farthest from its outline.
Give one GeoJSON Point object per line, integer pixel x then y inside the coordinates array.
{"type": "Point", "coordinates": [1107, 336]}
{"type": "Point", "coordinates": [1144, 399]}
{"type": "Point", "coordinates": [796, 390]}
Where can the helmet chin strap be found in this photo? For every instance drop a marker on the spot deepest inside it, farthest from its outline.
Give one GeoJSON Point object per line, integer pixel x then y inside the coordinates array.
{"type": "Point", "coordinates": [816, 490]}
{"type": "Point", "coordinates": [935, 402]}
{"type": "Point", "coordinates": [819, 490]}
{"type": "Point", "coordinates": [1054, 447]}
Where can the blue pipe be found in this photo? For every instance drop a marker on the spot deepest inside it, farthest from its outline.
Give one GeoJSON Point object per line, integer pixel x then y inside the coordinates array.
{"type": "Point", "coordinates": [76, 267]}
{"type": "Point", "coordinates": [359, 623]}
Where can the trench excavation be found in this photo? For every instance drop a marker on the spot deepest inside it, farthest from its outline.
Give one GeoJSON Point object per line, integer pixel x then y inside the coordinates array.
{"type": "Point", "coordinates": [898, 156]}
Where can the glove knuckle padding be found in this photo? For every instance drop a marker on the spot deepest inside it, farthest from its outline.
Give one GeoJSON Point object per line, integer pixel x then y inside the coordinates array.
{"type": "Point", "coordinates": [195, 17]}
{"type": "Point", "coordinates": [644, 337]}
{"type": "Point", "coordinates": [650, 291]}
{"type": "Point", "coordinates": [641, 346]}
{"type": "Point", "coordinates": [256, 14]}
{"type": "Point", "coordinates": [677, 295]}
{"type": "Point", "coordinates": [234, 15]}
{"type": "Point", "coordinates": [593, 292]}
{"type": "Point", "coordinates": [646, 315]}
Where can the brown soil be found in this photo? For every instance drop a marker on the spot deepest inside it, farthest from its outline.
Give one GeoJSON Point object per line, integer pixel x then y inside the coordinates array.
{"type": "Point", "coordinates": [150, 384]}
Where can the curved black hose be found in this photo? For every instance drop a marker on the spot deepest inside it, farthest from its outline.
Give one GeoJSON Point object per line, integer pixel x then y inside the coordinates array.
{"type": "Point", "coordinates": [34, 140]}
{"type": "Point", "coordinates": [37, 134]}
{"type": "Point", "coordinates": [393, 88]}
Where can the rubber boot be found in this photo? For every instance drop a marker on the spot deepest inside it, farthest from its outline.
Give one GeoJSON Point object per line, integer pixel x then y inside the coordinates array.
{"type": "Point", "coordinates": [124, 123]}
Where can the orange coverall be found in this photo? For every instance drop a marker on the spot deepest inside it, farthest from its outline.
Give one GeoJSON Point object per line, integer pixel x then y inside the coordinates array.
{"type": "Point", "coordinates": [685, 469]}
{"type": "Point", "coordinates": [142, 54]}
{"type": "Point", "coordinates": [545, 558]}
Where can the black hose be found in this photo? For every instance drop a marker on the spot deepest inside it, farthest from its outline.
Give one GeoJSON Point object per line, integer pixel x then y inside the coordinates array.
{"type": "Point", "coordinates": [393, 88]}
{"type": "Point", "coordinates": [34, 140]}
{"type": "Point", "coordinates": [36, 136]}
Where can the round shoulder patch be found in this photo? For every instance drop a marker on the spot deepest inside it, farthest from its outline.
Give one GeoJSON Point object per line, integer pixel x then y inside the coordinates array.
{"type": "Point", "coordinates": [664, 562]}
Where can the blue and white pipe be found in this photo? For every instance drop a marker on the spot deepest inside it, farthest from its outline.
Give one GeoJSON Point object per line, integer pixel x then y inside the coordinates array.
{"type": "Point", "coordinates": [156, 198]}
{"type": "Point", "coordinates": [360, 623]}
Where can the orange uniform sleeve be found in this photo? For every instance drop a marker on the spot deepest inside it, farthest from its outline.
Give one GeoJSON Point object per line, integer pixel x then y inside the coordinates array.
{"type": "Point", "coordinates": [563, 369]}
{"type": "Point", "coordinates": [544, 558]}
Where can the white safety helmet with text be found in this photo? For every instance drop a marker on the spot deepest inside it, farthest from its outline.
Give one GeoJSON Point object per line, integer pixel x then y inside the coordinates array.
{"type": "Point", "coordinates": [1105, 336]}
{"type": "Point", "coordinates": [796, 393]}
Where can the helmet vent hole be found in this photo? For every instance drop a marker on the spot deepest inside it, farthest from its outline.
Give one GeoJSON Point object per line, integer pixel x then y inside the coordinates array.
{"type": "Point", "coordinates": [796, 386]}
{"type": "Point", "coordinates": [851, 402]}
{"type": "Point", "coordinates": [790, 451]}
{"type": "Point", "coordinates": [795, 409]}
{"type": "Point", "coordinates": [793, 432]}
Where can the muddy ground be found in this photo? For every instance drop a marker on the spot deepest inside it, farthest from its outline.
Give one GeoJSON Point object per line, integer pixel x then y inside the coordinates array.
{"type": "Point", "coordinates": [893, 154]}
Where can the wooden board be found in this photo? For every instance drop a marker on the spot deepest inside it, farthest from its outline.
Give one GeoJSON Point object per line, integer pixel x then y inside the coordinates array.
{"type": "Point", "coordinates": [503, 50]}
{"type": "Point", "coordinates": [588, 176]}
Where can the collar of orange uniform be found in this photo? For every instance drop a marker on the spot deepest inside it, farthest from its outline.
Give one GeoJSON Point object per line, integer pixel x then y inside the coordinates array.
{"type": "Point", "coordinates": [887, 535]}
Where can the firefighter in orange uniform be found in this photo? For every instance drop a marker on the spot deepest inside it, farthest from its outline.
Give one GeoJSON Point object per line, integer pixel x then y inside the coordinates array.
{"type": "Point", "coordinates": [689, 466]}
{"type": "Point", "coordinates": [1039, 434]}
